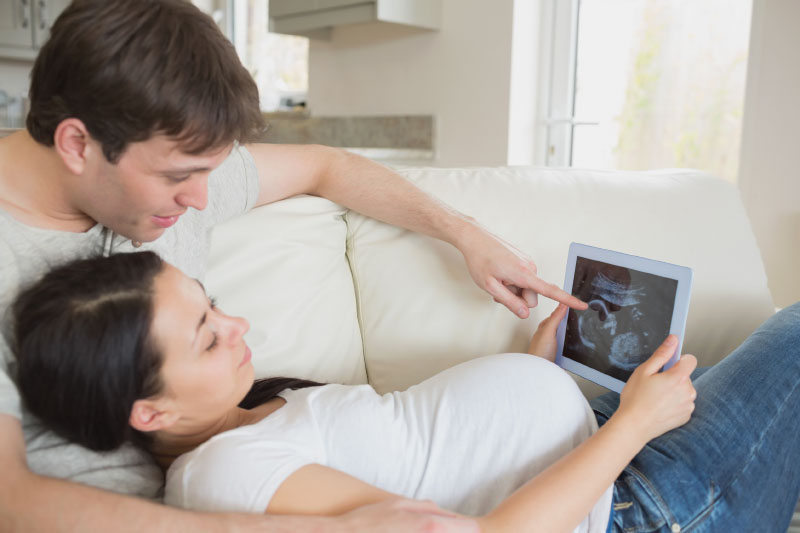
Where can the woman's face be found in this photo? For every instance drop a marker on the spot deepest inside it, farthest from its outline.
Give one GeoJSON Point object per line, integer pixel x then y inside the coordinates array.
{"type": "Point", "coordinates": [206, 367]}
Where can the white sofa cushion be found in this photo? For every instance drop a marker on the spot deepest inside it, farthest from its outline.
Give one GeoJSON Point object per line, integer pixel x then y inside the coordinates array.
{"type": "Point", "coordinates": [283, 267]}
{"type": "Point", "coordinates": [421, 313]}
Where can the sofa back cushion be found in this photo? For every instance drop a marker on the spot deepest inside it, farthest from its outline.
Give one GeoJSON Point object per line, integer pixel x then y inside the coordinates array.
{"type": "Point", "coordinates": [420, 311]}
{"type": "Point", "coordinates": [283, 267]}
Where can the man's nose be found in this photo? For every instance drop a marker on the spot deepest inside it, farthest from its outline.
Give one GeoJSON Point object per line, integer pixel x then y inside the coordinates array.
{"type": "Point", "coordinates": [194, 193]}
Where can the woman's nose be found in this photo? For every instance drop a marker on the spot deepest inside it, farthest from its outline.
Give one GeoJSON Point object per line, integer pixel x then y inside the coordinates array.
{"type": "Point", "coordinates": [238, 327]}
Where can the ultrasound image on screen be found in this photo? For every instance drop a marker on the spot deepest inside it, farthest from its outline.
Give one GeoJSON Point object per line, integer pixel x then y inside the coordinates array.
{"type": "Point", "coordinates": [628, 317]}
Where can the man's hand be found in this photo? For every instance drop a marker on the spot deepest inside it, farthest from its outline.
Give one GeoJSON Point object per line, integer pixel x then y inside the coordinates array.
{"type": "Point", "coordinates": [405, 516]}
{"type": "Point", "coordinates": [544, 343]}
{"type": "Point", "coordinates": [509, 275]}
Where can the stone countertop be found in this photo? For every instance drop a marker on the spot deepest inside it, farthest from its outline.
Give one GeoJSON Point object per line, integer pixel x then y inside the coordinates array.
{"type": "Point", "coordinates": [402, 132]}
{"type": "Point", "coordinates": [397, 138]}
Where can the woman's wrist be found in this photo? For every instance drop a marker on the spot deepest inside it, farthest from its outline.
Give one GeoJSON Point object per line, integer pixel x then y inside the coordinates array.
{"type": "Point", "coordinates": [628, 424]}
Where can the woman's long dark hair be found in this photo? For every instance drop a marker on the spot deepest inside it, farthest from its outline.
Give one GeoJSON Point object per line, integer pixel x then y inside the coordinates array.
{"type": "Point", "coordinates": [84, 351]}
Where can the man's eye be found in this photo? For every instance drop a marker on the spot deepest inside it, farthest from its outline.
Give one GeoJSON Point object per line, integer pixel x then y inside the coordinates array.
{"type": "Point", "coordinates": [178, 179]}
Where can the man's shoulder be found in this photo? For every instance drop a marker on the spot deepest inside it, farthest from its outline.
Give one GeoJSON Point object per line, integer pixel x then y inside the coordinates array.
{"type": "Point", "coordinates": [26, 253]}
{"type": "Point", "coordinates": [233, 186]}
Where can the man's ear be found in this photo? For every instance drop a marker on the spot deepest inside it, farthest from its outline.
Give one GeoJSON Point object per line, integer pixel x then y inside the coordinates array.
{"type": "Point", "coordinates": [72, 142]}
{"type": "Point", "coordinates": [148, 415]}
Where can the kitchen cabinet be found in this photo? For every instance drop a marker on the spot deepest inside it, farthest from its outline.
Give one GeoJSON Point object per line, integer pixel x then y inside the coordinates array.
{"type": "Point", "coordinates": [16, 26]}
{"type": "Point", "coordinates": [46, 12]}
{"type": "Point", "coordinates": [25, 26]}
{"type": "Point", "coordinates": [317, 18]}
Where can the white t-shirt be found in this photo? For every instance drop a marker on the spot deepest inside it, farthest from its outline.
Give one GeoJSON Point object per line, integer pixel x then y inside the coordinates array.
{"type": "Point", "coordinates": [465, 439]}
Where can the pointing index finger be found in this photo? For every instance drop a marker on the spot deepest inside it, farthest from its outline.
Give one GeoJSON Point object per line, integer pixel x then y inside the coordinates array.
{"type": "Point", "coordinates": [548, 290]}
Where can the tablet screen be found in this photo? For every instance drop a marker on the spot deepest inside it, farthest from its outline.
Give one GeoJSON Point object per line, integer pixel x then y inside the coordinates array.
{"type": "Point", "coordinates": [629, 316]}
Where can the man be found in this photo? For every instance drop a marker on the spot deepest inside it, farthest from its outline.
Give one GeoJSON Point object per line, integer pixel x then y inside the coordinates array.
{"type": "Point", "coordinates": [137, 112]}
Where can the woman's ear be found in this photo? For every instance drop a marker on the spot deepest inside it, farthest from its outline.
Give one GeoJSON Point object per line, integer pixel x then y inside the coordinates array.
{"type": "Point", "coordinates": [148, 415]}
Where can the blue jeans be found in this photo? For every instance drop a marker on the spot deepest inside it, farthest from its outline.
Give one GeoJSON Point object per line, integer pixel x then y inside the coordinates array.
{"type": "Point", "coordinates": [735, 467]}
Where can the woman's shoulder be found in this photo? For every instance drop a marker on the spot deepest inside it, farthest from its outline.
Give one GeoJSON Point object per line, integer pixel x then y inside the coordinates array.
{"type": "Point", "coordinates": [256, 456]}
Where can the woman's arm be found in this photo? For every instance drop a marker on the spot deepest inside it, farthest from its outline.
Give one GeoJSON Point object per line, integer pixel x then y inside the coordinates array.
{"type": "Point", "coordinates": [317, 489]}
{"type": "Point", "coordinates": [651, 404]}
{"type": "Point", "coordinates": [559, 498]}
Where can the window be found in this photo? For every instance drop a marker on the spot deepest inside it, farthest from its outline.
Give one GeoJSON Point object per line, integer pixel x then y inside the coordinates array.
{"type": "Point", "coordinates": [640, 84]}
{"type": "Point", "coordinates": [278, 63]}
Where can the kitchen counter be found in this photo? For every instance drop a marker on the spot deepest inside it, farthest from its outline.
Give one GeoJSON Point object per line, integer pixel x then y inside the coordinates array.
{"type": "Point", "coordinates": [403, 132]}
{"type": "Point", "coordinates": [394, 140]}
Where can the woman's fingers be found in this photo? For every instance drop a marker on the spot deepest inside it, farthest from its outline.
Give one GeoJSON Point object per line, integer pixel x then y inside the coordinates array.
{"type": "Point", "coordinates": [685, 366]}
{"type": "Point", "coordinates": [660, 401]}
{"type": "Point", "coordinates": [661, 356]}
{"type": "Point", "coordinates": [548, 326]}
{"type": "Point", "coordinates": [544, 342]}
{"type": "Point", "coordinates": [557, 316]}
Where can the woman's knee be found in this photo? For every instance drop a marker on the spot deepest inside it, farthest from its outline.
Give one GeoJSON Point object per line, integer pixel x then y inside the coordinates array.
{"type": "Point", "coordinates": [785, 324]}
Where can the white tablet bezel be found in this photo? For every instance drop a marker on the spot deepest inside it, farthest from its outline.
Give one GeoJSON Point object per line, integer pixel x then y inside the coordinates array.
{"type": "Point", "coordinates": [680, 310]}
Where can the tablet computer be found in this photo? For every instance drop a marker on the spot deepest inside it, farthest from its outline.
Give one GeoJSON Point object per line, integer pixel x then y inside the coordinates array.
{"type": "Point", "coordinates": [634, 303]}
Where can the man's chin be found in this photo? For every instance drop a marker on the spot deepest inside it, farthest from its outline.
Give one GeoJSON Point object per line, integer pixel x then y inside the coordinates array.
{"type": "Point", "coordinates": [150, 236]}
{"type": "Point", "coordinates": [141, 237]}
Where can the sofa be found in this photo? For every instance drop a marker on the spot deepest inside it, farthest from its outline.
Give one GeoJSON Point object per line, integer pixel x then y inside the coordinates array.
{"type": "Point", "coordinates": [334, 296]}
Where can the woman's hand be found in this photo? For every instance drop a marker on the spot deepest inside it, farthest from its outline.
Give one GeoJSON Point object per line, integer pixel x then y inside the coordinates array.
{"type": "Point", "coordinates": [654, 402]}
{"type": "Point", "coordinates": [543, 343]}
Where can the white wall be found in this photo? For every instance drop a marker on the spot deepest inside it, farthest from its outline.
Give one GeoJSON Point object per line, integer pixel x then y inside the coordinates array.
{"type": "Point", "coordinates": [460, 74]}
{"type": "Point", "coordinates": [769, 173]}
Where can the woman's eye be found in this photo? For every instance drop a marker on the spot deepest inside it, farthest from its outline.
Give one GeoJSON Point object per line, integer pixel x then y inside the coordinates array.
{"type": "Point", "coordinates": [178, 179]}
{"type": "Point", "coordinates": [213, 343]}
{"type": "Point", "coordinates": [213, 303]}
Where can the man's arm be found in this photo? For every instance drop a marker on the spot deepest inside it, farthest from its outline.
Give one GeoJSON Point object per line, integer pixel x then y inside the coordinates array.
{"type": "Point", "coordinates": [378, 192]}
{"type": "Point", "coordinates": [31, 503]}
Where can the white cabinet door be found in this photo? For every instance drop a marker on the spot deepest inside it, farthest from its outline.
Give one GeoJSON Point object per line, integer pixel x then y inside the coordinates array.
{"type": "Point", "coordinates": [316, 18]}
{"type": "Point", "coordinates": [282, 8]}
{"type": "Point", "coordinates": [16, 25]}
{"type": "Point", "coordinates": [45, 13]}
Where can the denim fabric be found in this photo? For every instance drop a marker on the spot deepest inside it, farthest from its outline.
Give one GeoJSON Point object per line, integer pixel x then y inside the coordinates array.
{"type": "Point", "coordinates": [735, 467]}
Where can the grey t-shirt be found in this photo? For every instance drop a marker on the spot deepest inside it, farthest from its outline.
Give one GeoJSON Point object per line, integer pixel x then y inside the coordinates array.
{"type": "Point", "coordinates": [26, 253]}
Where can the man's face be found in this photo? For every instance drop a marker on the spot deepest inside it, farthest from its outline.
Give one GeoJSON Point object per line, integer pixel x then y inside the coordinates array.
{"type": "Point", "coordinates": [148, 189]}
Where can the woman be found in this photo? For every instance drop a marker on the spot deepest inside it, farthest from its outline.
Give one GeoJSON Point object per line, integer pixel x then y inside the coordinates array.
{"type": "Point", "coordinates": [128, 348]}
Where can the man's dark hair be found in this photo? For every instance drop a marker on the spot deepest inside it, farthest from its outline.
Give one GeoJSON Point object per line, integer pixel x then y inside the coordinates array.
{"type": "Point", "coordinates": [130, 69]}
